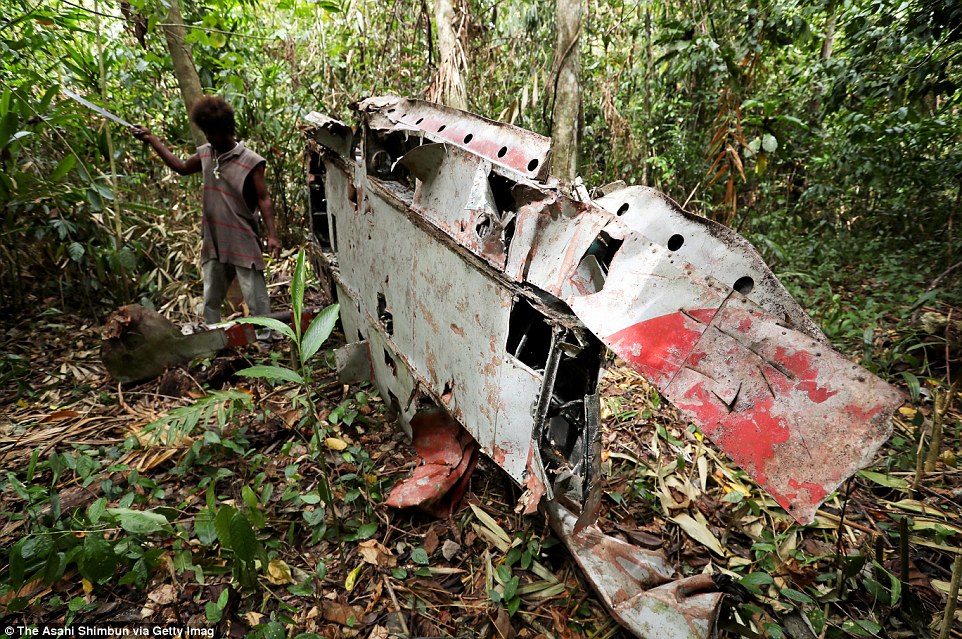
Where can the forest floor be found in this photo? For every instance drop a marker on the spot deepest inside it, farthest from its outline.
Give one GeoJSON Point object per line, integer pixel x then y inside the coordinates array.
{"type": "Point", "coordinates": [101, 525]}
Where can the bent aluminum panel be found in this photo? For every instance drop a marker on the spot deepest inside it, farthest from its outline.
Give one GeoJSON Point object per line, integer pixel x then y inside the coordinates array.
{"type": "Point", "coordinates": [710, 247]}
{"type": "Point", "coordinates": [514, 148]}
{"type": "Point", "coordinates": [637, 585]}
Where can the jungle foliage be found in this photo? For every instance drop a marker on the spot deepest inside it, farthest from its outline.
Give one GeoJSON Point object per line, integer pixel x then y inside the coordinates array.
{"type": "Point", "coordinates": [803, 124]}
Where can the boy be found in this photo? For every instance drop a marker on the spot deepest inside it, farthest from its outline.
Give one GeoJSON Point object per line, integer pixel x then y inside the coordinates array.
{"type": "Point", "coordinates": [234, 188]}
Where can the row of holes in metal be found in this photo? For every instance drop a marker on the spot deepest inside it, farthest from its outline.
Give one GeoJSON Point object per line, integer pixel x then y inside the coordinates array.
{"type": "Point", "coordinates": [532, 165]}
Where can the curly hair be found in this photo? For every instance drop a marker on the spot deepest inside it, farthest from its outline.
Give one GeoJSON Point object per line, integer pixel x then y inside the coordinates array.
{"type": "Point", "coordinates": [213, 115]}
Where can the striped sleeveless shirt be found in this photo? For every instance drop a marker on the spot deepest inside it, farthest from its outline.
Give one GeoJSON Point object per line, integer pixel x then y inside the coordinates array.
{"type": "Point", "coordinates": [229, 225]}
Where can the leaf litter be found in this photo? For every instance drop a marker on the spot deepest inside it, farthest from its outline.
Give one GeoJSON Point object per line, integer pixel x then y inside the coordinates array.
{"type": "Point", "coordinates": [483, 571]}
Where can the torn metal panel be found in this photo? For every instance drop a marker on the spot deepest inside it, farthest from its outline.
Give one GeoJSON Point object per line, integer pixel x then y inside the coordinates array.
{"type": "Point", "coordinates": [792, 412]}
{"type": "Point", "coordinates": [448, 455]}
{"type": "Point", "coordinates": [637, 585]}
{"type": "Point", "coordinates": [453, 193]}
{"type": "Point", "coordinates": [508, 146]}
{"type": "Point", "coordinates": [331, 134]}
{"type": "Point", "coordinates": [565, 231]}
{"type": "Point", "coordinates": [710, 247]}
{"type": "Point", "coordinates": [717, 356]}
{"type": "Point", "coordinates": [353, 362]}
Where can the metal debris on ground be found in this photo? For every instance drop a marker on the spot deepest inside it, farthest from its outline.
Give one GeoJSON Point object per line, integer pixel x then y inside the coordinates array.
{"type": "Point", "coordinates": [475, 283]}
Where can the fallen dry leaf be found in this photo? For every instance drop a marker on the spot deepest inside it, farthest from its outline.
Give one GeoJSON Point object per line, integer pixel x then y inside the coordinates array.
{"type": "Point", "coordinates": [164, 595]}
{"type": "Point", "coordinates": [449, 549]}
{"type": "Point", "coordinates": [375, 553]}
{"type": "Point", "coordinates": [279, 573]}
{"type": "Point", "coordinates": [335, 444]}
{"type": "Point", "coordinates": [431, 541]}
{"type": "Point", "coordinates": [341, 613]}
{"type": "Point", "coordinates": [379, 632]}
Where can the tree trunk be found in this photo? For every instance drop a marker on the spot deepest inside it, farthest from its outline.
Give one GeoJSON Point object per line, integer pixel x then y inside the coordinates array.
{"type": "Point", "coordinates": [183, 60]}
{"type": "Point", "coordinates": [448, 86]}
{"type": "Point", "coordinates": [829, 40]}
{"type": "Point", "coordinates": [566, 115]}
{"type": "Point", "coordinates": [649, 71]}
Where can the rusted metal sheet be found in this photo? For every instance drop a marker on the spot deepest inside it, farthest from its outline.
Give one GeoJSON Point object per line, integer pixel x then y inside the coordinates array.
{"type": "Point", "coordinates": [709, 247]}
{"type": "Point", "coordinates": [505, 145]}
{"type": "Point", "coordinates": [637, 585]}
{"type": "Point", "coordinates": [448, 454]}
{"type": "Point", "coordinates": [483, 287]}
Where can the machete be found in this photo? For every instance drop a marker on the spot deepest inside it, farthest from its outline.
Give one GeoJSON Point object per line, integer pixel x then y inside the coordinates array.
{"type": "Point", "coordinates": [94, 107]}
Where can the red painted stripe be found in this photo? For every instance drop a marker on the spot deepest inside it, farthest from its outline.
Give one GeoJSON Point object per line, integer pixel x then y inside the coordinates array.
{"type": "Point", "coordinates": [227, 193]}
{"type": "Point", "coordinates": [243, 166]}
{"type": "Point", "coordinates": [657, 347]}
{"type": "Point", "coordinates": [230, 226]}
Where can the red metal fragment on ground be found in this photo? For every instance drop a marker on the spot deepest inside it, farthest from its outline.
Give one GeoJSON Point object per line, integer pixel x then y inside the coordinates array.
{"type": "Point", "coordinates": [448, 454]}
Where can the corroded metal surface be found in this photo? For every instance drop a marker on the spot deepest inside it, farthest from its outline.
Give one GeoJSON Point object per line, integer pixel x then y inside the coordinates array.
{"type": "Point", "coordinates": [637, 585]}
{"type": "Point", "coordinates": [481, 286]}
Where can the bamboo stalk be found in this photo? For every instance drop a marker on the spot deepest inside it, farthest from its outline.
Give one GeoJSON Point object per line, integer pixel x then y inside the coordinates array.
{"type": "Point", "coordinates": [949, 617]}
{"type": "Point", "coordinates": [943, 401]}
{"type": "Point", "coordinates": [904, 549]}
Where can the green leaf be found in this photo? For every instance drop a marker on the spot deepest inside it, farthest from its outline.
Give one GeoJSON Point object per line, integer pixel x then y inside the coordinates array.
{"type": "Point", "coordinates": [301, 590]}
{"type": "Point", "coordinates": [774, 631]}
{"type": "Point", "coordinates": [796, 595]}
{"type": "Point", "coordinates": [48, 98]}
{"type": "Point", "coordinates": [272, 373]}
{"type": "Point", "coordinates": [64, 167]}
{"type": "Point", "coordinates": [366, 531]}
{"type": "Point", "coordinates": [883, 480]}
{"type": "Point", "coordinates": [139, 521]}
{"type": "Point", "coordinates": [420, 556]}
{"type": "Point", "coordinates": [218, 40]}
{"type": "Point", "coordinates": [7, 125]}
{"type": "Point", "coordinates": [96, 510]}
{"type": "Point", "coordinates": [915, 388]}
{"type": "Point", "coordinates": [769, 143]}
{"type": "Point", "coordinates": [274, 630]}
{"type": "Point", "coordinates": [56, 566]}
{"type": "Point", "coordinates": [297, 292]}
{"type": "Point", "coordinates": [249, 497]}
{"type": "Point", "coordinates": [98, 561]}
{"type": "Point", "coordinates": [752, 581]}
{"type": "Point", "coordinates": [76, 251]}
{"type": "Point", "coordinates": [511, 588]}
{"type": "Point", "coordinates": [17, 565]}
{"type": "Point", "coordinates": [862, 627]}
{"type": "Point", "coordinates": [222, 524]}
{"type": "Point", "coordinates": [318, 332]}
{"type": "Point", "coordinates": [213, 613]}
{"type": "Point", "coordinates": [243, 541]}
{"type": "Point", "coordinates": [268, 322]}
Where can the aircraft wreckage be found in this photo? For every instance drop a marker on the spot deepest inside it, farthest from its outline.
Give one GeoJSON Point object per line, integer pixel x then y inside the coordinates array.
{"type": "Point", "coordinates": [472, 281]}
